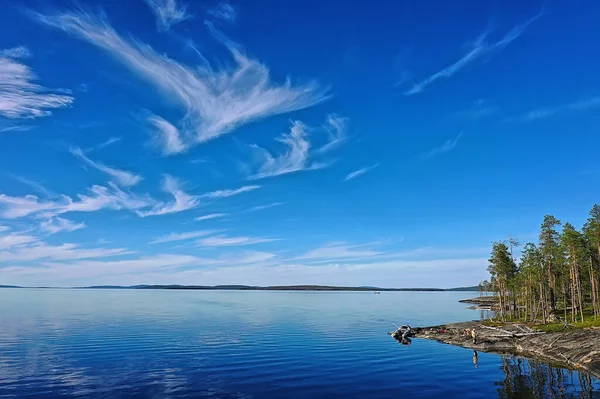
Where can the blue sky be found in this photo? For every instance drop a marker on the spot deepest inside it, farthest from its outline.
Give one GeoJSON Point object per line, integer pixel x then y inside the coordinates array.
{"type": "Point", "coordinates": [288, 142]}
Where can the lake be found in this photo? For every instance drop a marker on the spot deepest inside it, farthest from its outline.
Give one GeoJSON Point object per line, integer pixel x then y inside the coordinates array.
{"type": "Point", "coordinates": [252, 344]}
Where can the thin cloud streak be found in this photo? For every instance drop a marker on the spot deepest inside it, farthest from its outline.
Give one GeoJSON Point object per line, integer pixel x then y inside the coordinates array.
{"type": "Point", "coordinates": [359, 172]}
{"type": "Point", "coordinates": [261, 207]}
{"type": "Point", "coordinates": [448, 145]}
{"type": "Point", "coordinates": [229, 193]}
{"type": "Point", "coordinates": [224, 241]}
{"type": "Point", "coordinates": [480, 49]}
{"type": "Point", "coordinates": [543, 113]}
{"type": "Point", "coordinates": [210, 216]}
{"type": "Point", "coordinates": [122, 177]}
{"type": "Point", "coordinates": [214, 102]}
{"type": "Point", "coordinates": [182, 236]}
{"type": "Point", "coordinates": [110, 141]}
{"type": "Point", "coordinates": [35, 185]}
{"type": "Point", "coordinates": [58, 225]}
{"type": "Point", "coordinates": [168, 13]}
{"type": "Point", "coordinates": [338, 251]}
{"type": "Point", "coordinates": [19, 96]}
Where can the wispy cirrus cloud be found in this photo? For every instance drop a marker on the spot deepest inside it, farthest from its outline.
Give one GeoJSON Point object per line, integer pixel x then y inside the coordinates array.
{"type": "Point", "coordinates": [182, 201]}
{"type": "Point", "coordinates": [20, 97]}
{"type": "Point", "coordinates": [229, 193]}
{"type": "Point", "coordinates": [122, 177]}
{"type": "Point", "coordinates": [448, 145]}
{"type": "Point", "coordinates": [210, 216]}
{"type": "Point", "coordinates": [479, 109]}
{"type": "Point", "coordinates": [181, 236]}
{"type": "Point", "coordinates": [224, 11]}
{"type": "Point", "coordinates": [543, 113]}
{"type": "Point", "coordinates": [360, 172]}
{"type": "Point", "coordinates": [42, 251]}
{"type": "Point", "coordinates": [213, 101]}
{"type": "Point", "coordinates": [97, 198]}
{"type": "Point", "coordinates": [58, 225]}
{"type": "Point", "coordinates": [8, 241]}
{"type": "Point", "coordinates": [15, 128]}
{"type": "Point", "coordinates": [110, 141]}
{"type": "Point", "coordinates": [334, 251]}
{"type": "Point", "coordinates": [167, 136]}
{"type": "Point", "coordinates": [266, 206]}
{"type": "Point", "coordinates": [224, 241]}
{"type": "Point", "coordinates": [16, 52]}
{"type": "Point", "coordinates": [168, 13]}
{"type": "Point", "coordinates": [37, 186]}
{"type": "Point", "coordinates": [298, 156]}
{"type": "Point", "coordinates": [335, 127]}
{"type": "Point", "coordinates": [479, 49]}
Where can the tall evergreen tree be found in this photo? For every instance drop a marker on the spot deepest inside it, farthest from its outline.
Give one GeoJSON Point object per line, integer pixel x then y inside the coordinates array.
{"type": "Point", "coordinates": [549, 248]}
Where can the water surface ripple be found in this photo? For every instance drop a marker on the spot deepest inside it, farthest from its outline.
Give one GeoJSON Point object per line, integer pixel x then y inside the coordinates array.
{"type": "Point", "coordinates": [240, 344]}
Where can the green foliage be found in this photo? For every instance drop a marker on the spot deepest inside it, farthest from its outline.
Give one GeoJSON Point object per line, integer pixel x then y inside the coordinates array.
{"type": "Point", "coordinates": [562, 269]}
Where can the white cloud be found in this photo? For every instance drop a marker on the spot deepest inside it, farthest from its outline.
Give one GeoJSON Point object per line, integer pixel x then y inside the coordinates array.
{"type": "Point", "coordinates": [298, 156]}
{"type": "Point", "coordinates": [4, 228]}
{"type": "Point", "coordinates": [261, 207]}
{"type": "Point", "coordinates": [229, 193]}
{"type": "Point", "coordinates": [16, 207]}
{"type": "Point", "coordinates": [213, 101]}
{"type": "Point", "coordinates": [543, 113]}
{"type": "Point", "coordinates": [225, 12]}
{"type": "Point", "coordinates": [210, 216]}
{"type": "Point", "coordinates": [448, 145]}
{"type": "Point", "coordinates": [15, 240]}
{"type": "Point", "coordinates": [158, 269]}
{"type": "Point", "coordinates": [167, 136]}
{"type": "Point", "coordinates": [98, 198]}
{"type": "Point", "coordinates": [479, 109]}
{"type": "Point", "coordinates": [223, 241]}
{"type": "Point", "coordinates": [181, 200]}
{"type": "Point", "coordinates": [57, 225]}
{"type": "Point", "coordinates": [39, 250]}
{"type": "Point", "coordinates": [359, 172]}
{"type": "Point", "coordinates": [181, 236]}
{"type": "Point", "coordinates": [106, 143]}
{"type": "Point", "coordinates": [168, 13]}
{"type": "Point", "coordinates": [335, 127]}
{"type": "Point", "coordinates": [19, 96]}
{"type": "Point", "coordinates": [16, 52]}
{"type": "Point", "coordinates": [294, 160]}
{"type": "Point", "coordinates": [15, 128]}
{"type": "Point", "coordinates": [122, 177]}
{"type": "Point", "coordinates": [339, 251]}
{"type": "Point", "coordinates": [35, 185]}
{"type": "Point", "coordinates": [480, 49]}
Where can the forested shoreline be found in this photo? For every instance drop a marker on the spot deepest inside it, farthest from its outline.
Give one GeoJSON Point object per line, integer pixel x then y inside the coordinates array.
{"type": "Point", "coordinates": [555, 279]}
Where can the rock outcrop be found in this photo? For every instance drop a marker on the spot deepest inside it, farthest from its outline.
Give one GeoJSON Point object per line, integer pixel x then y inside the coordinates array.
{"type": "Point", "coordinates": [578, 349]}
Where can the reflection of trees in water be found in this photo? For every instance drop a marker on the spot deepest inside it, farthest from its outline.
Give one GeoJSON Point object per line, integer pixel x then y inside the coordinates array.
{"type": "Point", "coordinates": [525, 378]}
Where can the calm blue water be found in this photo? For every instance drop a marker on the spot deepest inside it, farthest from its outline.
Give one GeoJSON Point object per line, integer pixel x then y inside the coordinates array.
{"type": "Point", "coordinates": [234, 344]}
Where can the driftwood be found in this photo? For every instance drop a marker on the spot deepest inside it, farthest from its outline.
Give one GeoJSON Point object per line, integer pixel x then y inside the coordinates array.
{"type": "Point", "coordinates": [513, 334]}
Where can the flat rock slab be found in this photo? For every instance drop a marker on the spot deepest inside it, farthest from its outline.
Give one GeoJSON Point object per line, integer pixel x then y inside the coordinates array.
{"type": "Point", "coordinates": [578, 349]}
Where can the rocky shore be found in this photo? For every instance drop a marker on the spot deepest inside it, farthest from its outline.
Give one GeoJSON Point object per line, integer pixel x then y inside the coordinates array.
{"type": "Point", "coordinates": [574, 348]}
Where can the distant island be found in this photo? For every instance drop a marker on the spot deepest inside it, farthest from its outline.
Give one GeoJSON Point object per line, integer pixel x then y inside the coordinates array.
{"type": "Point", "coordinates": [256, 288]}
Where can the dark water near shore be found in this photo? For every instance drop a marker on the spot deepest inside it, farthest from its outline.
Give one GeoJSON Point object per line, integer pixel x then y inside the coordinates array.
{"type": "Point", "coordinates": [231, 344]}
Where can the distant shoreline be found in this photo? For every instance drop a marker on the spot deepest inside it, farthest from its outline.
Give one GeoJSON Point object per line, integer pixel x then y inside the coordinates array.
{"type": "Point", "coordinates": [257, 288]}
